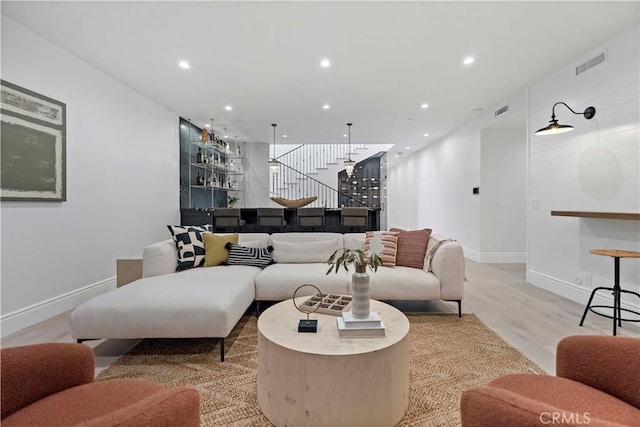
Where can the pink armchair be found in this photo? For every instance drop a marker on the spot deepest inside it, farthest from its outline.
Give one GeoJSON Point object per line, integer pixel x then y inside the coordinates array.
{"type": "Point", "coordinates": [597, 384]}
{"type": "Point", "coordinates": [52, 384]}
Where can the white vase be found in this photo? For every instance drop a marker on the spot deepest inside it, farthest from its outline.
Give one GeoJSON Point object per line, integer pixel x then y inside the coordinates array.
{"type": "Point", "coordinates": [360, 292]}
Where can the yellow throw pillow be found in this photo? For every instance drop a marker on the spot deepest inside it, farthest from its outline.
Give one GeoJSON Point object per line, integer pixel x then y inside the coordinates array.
{"type": "Point", "coordinates": [214, 250]}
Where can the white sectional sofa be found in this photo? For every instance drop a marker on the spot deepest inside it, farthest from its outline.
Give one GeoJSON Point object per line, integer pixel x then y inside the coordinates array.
{"type": "Point", "coordinates": [209, 301]}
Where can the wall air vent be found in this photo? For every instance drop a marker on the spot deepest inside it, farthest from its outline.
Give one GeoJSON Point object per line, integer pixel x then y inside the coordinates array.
{"type": "Point", "coordinates": [501, 110]}
{"type": "Point", "coordinates": [591, 63]}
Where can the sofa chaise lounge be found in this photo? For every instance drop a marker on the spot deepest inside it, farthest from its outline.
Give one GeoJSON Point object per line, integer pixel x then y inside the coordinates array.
{"type": "Point", "coordinates": [209, 301]}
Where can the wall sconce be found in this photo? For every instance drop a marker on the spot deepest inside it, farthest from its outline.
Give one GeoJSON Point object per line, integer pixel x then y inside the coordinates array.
{"type": "Point", "coordinates": [554, 127]}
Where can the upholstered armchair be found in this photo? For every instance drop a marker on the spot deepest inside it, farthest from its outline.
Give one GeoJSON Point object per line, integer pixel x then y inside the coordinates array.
{"type": "Point", "coordinates": [597, 384]}
{"type": "Point", "coordinates": [52, 385]}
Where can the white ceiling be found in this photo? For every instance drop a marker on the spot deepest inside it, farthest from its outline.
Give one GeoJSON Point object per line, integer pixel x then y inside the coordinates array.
{"type": "Point", "coordinates": [387, 58]}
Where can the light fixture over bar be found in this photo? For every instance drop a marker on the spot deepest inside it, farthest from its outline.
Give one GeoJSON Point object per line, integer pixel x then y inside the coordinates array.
{"type": "Point", "coordinates": [274, 165]}
{"type": "Point", "coordinates": [349, 164]}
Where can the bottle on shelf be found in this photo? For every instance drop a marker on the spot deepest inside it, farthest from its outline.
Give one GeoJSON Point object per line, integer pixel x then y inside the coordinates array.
{"type": "Point", "coordinates": [204, 135]}
{"type": "Point", "coordinates": [199, 155]}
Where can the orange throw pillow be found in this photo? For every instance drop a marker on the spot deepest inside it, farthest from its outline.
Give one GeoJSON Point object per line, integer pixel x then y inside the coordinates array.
{"type": "Point", "coordinates": [412, 247]}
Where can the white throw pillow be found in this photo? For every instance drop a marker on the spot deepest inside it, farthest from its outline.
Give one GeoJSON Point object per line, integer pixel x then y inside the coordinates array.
{"type": "Point", "coordinates": [301, 252]}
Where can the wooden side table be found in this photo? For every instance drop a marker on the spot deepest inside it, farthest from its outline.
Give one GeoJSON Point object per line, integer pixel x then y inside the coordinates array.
{"type": "Point", "coordinates": [321, 379]}
{"type": "Point", "coordinates": [617, 291]}
{"type": "Point", "coordinates": [128, 270]}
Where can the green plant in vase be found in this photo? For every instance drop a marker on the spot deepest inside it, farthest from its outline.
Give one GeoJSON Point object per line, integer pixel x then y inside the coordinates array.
{"type": "Point", "coordinates": [344, 257]}
{"type": "Point", "coordinates": [231, 201]}
{"type": "Point", "coordinates": [360, 290]}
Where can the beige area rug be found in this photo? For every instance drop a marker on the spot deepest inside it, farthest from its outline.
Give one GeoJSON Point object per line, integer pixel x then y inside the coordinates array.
{"type": "Point", "coordinates": [447, 355]}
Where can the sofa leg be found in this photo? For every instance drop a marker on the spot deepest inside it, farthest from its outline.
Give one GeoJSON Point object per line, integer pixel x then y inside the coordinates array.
{"type": "Point", "coordinates": [222, 349]}
{"type": "Point", "coordinates": [257, 308]}
{"type": "Point", "coordinates": [459, 301]}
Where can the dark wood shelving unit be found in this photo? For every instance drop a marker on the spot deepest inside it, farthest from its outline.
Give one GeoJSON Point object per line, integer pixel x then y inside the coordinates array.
{"type": "Point", "coordinates": [600, 215]}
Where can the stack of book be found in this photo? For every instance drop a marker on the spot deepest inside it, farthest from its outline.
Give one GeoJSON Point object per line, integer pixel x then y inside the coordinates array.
{"type": "Point", "coordinates": [352, 327]}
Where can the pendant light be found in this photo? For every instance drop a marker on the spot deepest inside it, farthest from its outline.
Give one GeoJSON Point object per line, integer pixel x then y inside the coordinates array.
{"type": "Point", "coordinates": [274, 165]}
{"type": "Point", "coordinates": [554, 128]}
{"type": "Point", "coordinates": [349, 164]}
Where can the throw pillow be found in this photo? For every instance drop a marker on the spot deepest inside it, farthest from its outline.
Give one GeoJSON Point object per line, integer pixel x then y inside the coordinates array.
{"type": "Point", "coordinates": [383, 243]}
{"type": "Point", "coordinates": [244, 255]}
{"type": "Point", "coordinates": [215, 252]}
{"type": "Point", "coordinates": [412, 247]}
{"type": "Point", "coordinates": [189, 244]}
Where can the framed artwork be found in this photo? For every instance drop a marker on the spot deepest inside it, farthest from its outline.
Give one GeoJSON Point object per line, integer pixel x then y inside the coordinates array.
{"type": "Point", "coordinates": [32, 145]}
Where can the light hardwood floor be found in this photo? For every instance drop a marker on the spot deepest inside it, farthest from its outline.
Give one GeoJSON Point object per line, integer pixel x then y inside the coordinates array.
{"type": "Point", "coordinates": [528, 318]}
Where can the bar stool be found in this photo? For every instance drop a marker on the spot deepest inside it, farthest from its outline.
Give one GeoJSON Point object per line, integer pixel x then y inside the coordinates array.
{"type": "Point", "coordinates": [354, 218]}
{"type": "Point", "coordinates": [227, 218]}
{"type": "Point", "coordinates": [271, 218]}
{"type": "Point", "coordinates": [311, 217]}
{"type": "Point", "coordinates": [617, 309]}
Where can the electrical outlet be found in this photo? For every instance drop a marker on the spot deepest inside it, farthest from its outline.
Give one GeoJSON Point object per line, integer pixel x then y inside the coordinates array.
{"type": "Point", "coordinates": [578, 279]}
{"type": "Point", "coordinates": [499, 203]}
{"type": "Point", "coordinates": [535, 204]}
{"type": "Point", "coordinates": [588, 279]}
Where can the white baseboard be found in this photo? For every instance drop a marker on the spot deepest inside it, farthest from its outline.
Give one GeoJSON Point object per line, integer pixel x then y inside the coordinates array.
{"type": "Point", "coordinates": [495, 257]}
{"type": "Point", "coordinates": [28, 316]}
{"type": "Point", "coordinates": [574, 292]}
{"type": "Point", "coordinates": [471, 254]}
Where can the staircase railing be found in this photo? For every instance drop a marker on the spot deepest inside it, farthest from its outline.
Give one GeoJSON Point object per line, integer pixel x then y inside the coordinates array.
{"type": "Point", "coordinates": [291, 183]}
{"type": "Point", "coordinates": [310, 158]}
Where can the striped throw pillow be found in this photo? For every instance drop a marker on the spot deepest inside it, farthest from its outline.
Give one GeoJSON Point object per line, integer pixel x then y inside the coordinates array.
{"type": "Point", "coordinates": [244, 255]}
{"type": "Point", "coordinates": [383, 243]}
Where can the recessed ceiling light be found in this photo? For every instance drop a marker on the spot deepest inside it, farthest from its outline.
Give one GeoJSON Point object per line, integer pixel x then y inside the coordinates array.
{"type": "Point", "coordinates": [325, 63]}
{"type": "Point", "coordinates": [344, 135]}
{"type": "Point", "coordinates": [426, 134]}
{"type": "Point", "coordinates": [207, 125]}
{"type": "Point", "coordinates": [477, 109]}
{"type": "Point", "coordinates": [408, 148]}
{"type": "Point", "coordinates": [468, 60]}
{"type": "Point", "coordinates": [284, 136]}
{"type": "Point", "coordinates": [184, 64]}
{"type": "Point", "coordinates": [326, 106]}
{"type": "Point", "coordinates": [423, 106]}
{"type": "Point", "coordinates": [228, 108]}
{"type": "Point", "coordinates": [395, 155]}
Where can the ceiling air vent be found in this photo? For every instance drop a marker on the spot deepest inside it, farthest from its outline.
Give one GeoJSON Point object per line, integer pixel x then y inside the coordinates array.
{"type": "Point", "coordinates": [501, 110]}
{"type": "Point", "coordinates": [591, 63]}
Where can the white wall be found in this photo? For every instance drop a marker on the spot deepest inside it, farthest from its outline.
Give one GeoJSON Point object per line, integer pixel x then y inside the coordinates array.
{"type": "Point", "coordinates": [503, 193]}
{"type": "Point", "coordinates": [122, 184]}
{"type": "Point", "coordinates": [433, 188]}
{"type": "Point", "coordinates": [257, 176]}
{"type": "Point", "coordinates": [594, 168]}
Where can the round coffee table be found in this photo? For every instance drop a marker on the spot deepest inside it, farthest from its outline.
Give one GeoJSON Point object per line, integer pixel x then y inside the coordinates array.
{"type": "Point", "coordinates": [321, 379]}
